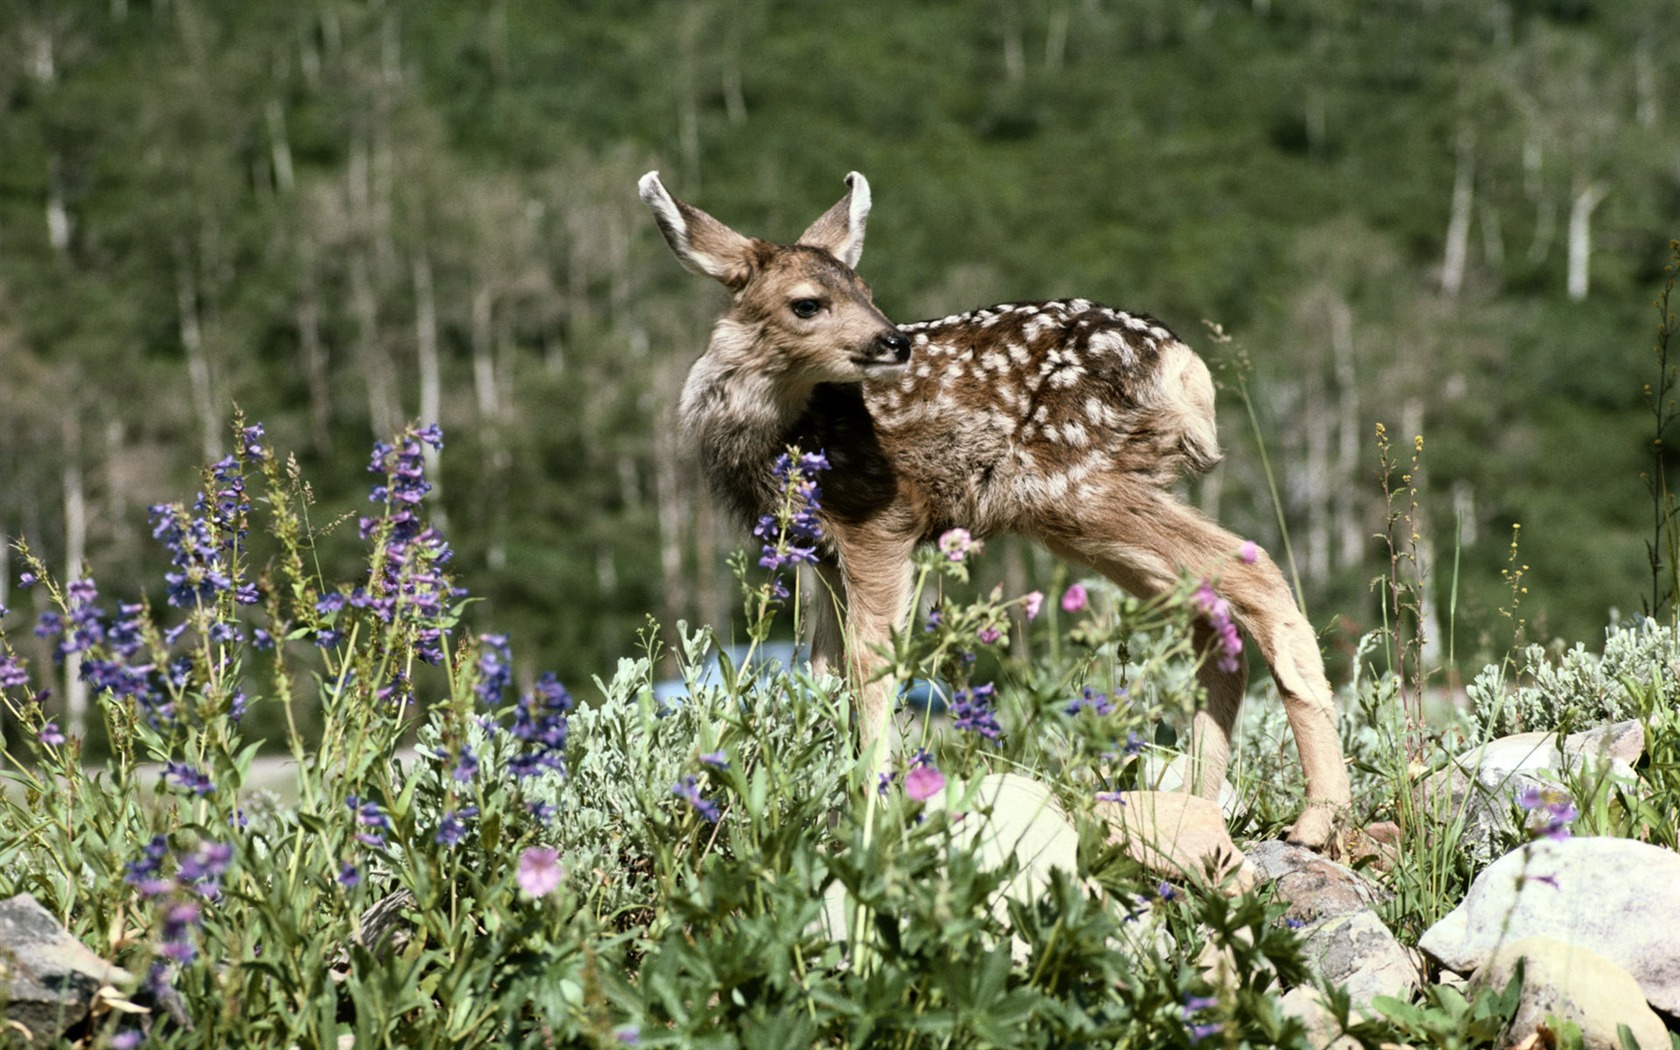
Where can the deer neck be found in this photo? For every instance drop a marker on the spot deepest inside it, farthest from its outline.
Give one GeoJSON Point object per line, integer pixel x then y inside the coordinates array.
{"type": "Point", "coordinates": [741, 415]}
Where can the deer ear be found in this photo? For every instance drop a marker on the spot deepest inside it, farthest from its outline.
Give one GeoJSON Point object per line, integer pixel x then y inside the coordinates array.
{"type": "Point", "coordinates": [840, 230]}
{"type": "Point", "coordinates": [700, 242]}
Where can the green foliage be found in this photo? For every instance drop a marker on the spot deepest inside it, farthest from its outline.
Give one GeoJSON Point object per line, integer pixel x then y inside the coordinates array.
{"type": "Point", "coordinates": [342, 216]}
{"type": "Point", "coordinates": [1573, 689]}
{"type": "Point", "coordinates": [730, 875]}
{"type": "Point", "coordinates": [1449, 1021]}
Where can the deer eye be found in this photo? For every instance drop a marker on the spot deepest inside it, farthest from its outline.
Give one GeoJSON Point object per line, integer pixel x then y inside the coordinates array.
{"type": "Point", "coordinates": [806, 308]}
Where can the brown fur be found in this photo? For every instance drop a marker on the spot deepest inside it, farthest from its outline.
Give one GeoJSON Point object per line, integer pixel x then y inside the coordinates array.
{"type": "Point", "coordinates": [1061, 420]}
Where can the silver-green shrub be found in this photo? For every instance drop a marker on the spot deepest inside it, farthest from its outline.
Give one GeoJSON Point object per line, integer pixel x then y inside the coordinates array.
{"type": "Point", "coordinates": [1543, 689]}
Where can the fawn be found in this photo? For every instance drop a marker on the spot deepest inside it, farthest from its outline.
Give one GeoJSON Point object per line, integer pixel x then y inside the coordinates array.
{"type": "Point", "coordinates": [1064, 421]}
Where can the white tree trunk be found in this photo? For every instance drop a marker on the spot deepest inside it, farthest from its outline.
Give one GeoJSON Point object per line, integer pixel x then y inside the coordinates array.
{"type": "Point", "coordinates": [1458, 225]}
{"type": "Point", "coordinates": [1586, 200]}
{"type": "Point", "coordinates": [1350, 540]}
{"type": "Point", "coordinates": [200, 381]}
{"type": "Point", "coordinates": [75, 559]}
{"type": "Point", "coordinates": [280, 147]}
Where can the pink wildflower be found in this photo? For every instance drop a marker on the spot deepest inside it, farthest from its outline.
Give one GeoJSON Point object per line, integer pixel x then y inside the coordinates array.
{"type": "Point", "coordinates": [1074, 598]}
{"type": "Point", "coordinates": [1249, 552]}
{"type": "Point", "coordinates": [1032, 604]}
{"type": "Point", "coordinates": [539, 870]}
{"type": "Point", "coordinates": [957, 544]}
{"type": "Point", "coordinates": [923, 782]}
{"type": "Point", "coordinates": [1218, 612]}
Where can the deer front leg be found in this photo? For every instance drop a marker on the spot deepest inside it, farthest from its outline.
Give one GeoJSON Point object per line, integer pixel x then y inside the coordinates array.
{"type": "Point", "coordinates": [827, 603]}
{"type": "Point", "coordinates": [876, 569]}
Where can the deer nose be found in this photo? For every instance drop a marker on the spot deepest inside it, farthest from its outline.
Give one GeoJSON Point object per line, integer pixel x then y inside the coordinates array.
{"type": "Point", "coordinates": [897, 344]}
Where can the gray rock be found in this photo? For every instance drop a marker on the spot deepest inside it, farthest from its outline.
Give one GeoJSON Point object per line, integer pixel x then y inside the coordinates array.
{"type": "Point", "coordinates": [1482, 783]}
{"type": "Point", "coordinates": [1323, 1033]}
{"type": "Point", "coordinates": [1312, 886]}
{"type": "Point", "coordinates": [1573, 984]}
{"type": "Point", "coordinates": [1616, 897]}
{"type": "Point", "coordinates": [1357, 951]}
{"type": "Point", "coordinates": [1177, 835]}
{"type": "Point", "coordinates": [1006, 816]}
{"type": "Point", "coordinates": [1161, 773]}
{"type": "Point", "coordinates": [47, 977]}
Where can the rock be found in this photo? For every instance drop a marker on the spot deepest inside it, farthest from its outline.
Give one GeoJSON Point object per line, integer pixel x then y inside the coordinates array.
{"type": "Point", "coordinates": [1575, 984]}
{"type": "Point", "coordinates": [1011, 816]}
{"type": "Point", "coordinates": [1159, 773]}
{"type": "Point", "coordinates": [1357, 951]}
{"type": "Point", "coordinates": [47, 978]}
{"type": "Point", "coordinates": [1016, 816]}
{"type": "Point", "coordinates": [1176, 835]}
{"type": "Point", "coordinates": [1615, 897]}
{"type": "Point", "coordinates": [1619, 742]}
{"type": "Point", "coordinates": [1483, 782]}
{"type": "Point", "coordinates": [1311, 886]}
{"type": "Point", "coordinates": [1323, 1033]}
{"type": "Point", "coordinates": [1375, 846]}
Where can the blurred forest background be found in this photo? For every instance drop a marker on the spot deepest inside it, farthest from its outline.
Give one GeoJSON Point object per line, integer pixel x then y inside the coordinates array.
{"type": "Point", "coordinates": [1448, 216]}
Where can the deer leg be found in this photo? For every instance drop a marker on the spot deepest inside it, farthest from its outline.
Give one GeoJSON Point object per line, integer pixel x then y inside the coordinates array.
{"type": "Point", "coordinates": [877, 572]}
{"type": "Point", "coordinates": [1143, 544]}
{"type": "Point", "coordinates": [828, 640]}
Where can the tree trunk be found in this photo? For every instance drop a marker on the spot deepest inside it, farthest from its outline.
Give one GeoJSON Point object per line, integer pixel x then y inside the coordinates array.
{"type": "Point", "coordinates": [58, 216]}
{"type": "Point", "coordinates": [1350, 538]}
{"type": "Point", "coordinates": [75, 559]}
{"type": "Point", "coordinates": [1315, 480]}
{"type": "Point", "coordinates": [384, 415]}
{"type": "Point", "coordinates": [1458, 225]}
{"type": "Point", "coordinates": [431, 382]}
{"type": "Point", "coordinates": [200, 381]}
{"type": "Point", "coordinates": [280, 147]}
{"type": "Point", "coordinates": [1586, 200]}
{"type": "Point", "coordinates": [314, 352]}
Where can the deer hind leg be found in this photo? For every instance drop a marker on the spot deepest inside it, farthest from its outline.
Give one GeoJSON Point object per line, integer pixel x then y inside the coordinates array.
{"type": "Point", "coordinates": [1143, 542]}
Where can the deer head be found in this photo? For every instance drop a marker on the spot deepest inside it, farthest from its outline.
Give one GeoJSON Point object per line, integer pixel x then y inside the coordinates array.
{"type": "Point", "coordinates": [798, 311]}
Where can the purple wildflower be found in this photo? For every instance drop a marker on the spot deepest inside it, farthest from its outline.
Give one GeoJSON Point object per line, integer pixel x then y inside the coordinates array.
{"type": "Point", "coordinates": [466, 766]}
{"type": "Point", "coordinates": [371, 817]}
{"type": "Point", "coordinates": [452, 826]}
{"type": "Point", "coordinates": [1093, 701]}
{"type": "Point", "coordinates": [349, 876]}
{"type": "Point", "coordinates": [539, 723]}
{"type": "Point", "coordinates": [715, 759]}
{"type": "Point", "coordinates": [143, 874]}
{"type": "Point", "coordinates": [495, 670]}
{"type": "Point", "coordinates": [250, 443]}
{"type": "Point", "coordinates": [1550, 811]}
{"type": "Point", "coordinates": [51, 735]}
{"type": "Point", "coordinates": [971, 711]}
{"type": "Point", "coordinates": [204, 867]}
{"type": "Point", "coordinates": [12, 673]}
{"type": "Point", "coordinates": [411, 588]}
{"type": "Point", "coordinates": [689, 792]}
{"type": "Point", "coordinates": [26, 580]}
{"type": "Point", "coordinates": [188, 778]}
{"type": "Point", "coordinates": [793, 534]}
{"type": "Point", "coordinates": [180, 919]}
